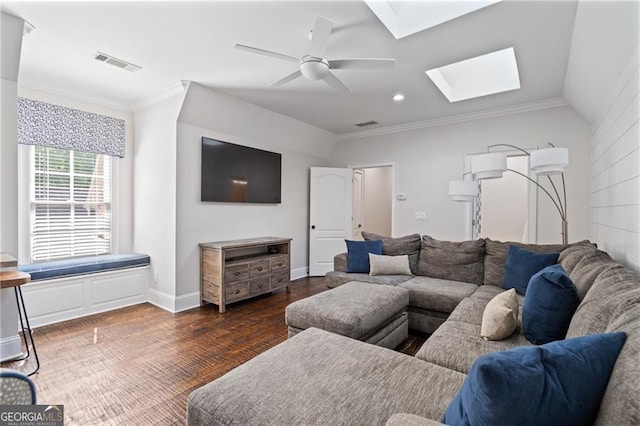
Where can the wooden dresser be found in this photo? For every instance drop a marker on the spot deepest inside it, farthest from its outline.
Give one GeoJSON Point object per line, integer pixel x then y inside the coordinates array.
{"type": "Point", "coordinates": [231, 271]}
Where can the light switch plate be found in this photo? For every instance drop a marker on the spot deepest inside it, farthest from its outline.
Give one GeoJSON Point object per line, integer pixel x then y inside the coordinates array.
{"type": "Point", "coordinates": [421, 216]}
{"type": "Point", "coordinates": [402, 196]}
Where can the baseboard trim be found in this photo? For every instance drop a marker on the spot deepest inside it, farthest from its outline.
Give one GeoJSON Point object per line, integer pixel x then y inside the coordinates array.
{"type": "Point", "coordinates": [187, 301]}
{"type": "Point", "coordinates": [298, 273]}
{"type": "Point", "coordinates": [160, 299]}
{"type": "Point", "coordinates": [10, 348]}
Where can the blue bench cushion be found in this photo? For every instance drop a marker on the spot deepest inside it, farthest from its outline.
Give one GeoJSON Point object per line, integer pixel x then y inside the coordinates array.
{"type": "Point", "coordinates": [84, 265]}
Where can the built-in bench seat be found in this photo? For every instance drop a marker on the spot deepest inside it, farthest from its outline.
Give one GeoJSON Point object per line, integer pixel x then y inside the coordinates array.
{"type": "Point", "coordinates": [84, 265]}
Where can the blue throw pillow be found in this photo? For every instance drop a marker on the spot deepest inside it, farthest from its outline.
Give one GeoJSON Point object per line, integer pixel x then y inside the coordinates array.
{"type": "Point", "coordinates": [358, 254]}
{"type": "Point", "coordinates": [549, 305]}
{"type": "Point", "coordinates": [522, 264]}
{"type": "Point", "coordinates": [560, 383]}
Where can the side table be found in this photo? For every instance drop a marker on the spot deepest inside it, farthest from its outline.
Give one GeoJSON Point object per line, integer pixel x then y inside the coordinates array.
{"type": "Point", "coordinates": [15, 279]}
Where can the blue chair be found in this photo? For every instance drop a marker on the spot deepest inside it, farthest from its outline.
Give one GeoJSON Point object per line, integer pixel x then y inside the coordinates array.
{"type": "Point", "coordinates": [16, 388]}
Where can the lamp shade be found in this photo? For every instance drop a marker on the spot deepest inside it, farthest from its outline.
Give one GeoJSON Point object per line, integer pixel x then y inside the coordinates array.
{"type": "Point", "coordinates": [489, 166]}
{"type": "Point", "coordinates": [463, 190]}
{"type": "Point", "coordinates": [549, 161]}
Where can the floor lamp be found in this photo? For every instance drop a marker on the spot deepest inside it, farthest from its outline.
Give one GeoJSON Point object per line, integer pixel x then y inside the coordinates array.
{"type": "Point", "coordinates": [491, 165]}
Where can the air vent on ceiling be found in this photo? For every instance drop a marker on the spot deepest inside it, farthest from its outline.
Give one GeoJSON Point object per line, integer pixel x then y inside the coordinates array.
{"type": "Point", "coordinates": [367, 123]}
{"type": "Point", "coordinates": [107, 59]}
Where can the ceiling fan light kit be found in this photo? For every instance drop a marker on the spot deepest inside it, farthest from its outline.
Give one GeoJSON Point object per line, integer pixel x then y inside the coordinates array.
{"type": "Point", "coordinates": [315, 65]}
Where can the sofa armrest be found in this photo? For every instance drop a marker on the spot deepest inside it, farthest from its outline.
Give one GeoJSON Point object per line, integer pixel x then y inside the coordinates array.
{"type": "Point", "coordinates": [404, 419]}
{"type": "Point", "coordinates": [340, 262]}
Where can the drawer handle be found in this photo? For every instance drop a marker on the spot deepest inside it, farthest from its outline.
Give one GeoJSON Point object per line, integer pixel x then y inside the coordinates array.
{"type": "Point", "coordinates": [260, 268]}
{"type": "Point", "coordinates": [280, 280]}
{"type": "Point", "coordinates": [236, 273]}
{"type": "Point", "coordinates": [280, 264]}
{"type": "Point", "coordinates": [260, 285]}
{"type": "Point", "coordinates": [237, 291]}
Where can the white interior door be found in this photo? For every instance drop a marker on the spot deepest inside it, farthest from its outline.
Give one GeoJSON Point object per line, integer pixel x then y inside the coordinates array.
{"type": "Point", "coordinates": [329, 216]}
{"type": "Point", "coordinates": [358, 204]}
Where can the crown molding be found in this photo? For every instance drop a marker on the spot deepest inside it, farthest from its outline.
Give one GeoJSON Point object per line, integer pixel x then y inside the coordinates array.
{"type": "Point", "coordinates": [160, 95]}
{"type": "Point", "coordinates": [454, 119]}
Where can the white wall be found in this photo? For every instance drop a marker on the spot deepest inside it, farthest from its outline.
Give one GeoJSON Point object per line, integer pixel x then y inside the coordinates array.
{"type": "Point", "coordinates": [10, 42]}
{"type": "Point", "coordinates": [614, 202]}
{"type": "Point", "coordinates": [212, 114]}
{"type": "Point", "coordinates": [122, 202]}
{"type": "Point", "coordinates": [154, 192]}
{"type": "Point", "coordinates": [427, 159]}
{"type": "Point", "coordinates": [377, 203]}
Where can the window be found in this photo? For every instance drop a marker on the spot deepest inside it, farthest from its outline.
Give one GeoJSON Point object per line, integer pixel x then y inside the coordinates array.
{"type": "Point", "coordinates": [70, 204]}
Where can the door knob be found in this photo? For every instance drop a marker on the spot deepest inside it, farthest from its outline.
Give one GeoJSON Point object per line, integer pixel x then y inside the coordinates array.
{"type": "Point", "coordinates": [313, 227]}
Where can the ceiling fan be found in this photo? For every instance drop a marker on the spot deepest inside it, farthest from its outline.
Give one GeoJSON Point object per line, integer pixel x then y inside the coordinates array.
{"type": "Point", "coordinates": [315, 66]}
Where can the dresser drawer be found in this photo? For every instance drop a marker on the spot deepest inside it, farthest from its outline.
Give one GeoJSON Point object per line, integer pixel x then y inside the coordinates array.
{"type": "Point", "coordinates": [236, 273]}
{"type": "Point", "coordinates": [259, 268]}
{"type": "Point", "coordinates": [236, 291]}
{"type": "Point", "coordinates": [259, 285]}
{"type": "Point", "coordinates": [279, 281]}
{"type": "Point", "coordinates": [279, 264]}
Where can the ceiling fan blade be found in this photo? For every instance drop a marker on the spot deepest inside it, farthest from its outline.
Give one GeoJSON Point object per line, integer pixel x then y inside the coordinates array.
{"type": "Point", "coordinates": [287, 79]}
{"type": "Point", "coordinates": [335, 83]}
{"type": "Point", "coordinates": [320, 37]}
{"type": "Point", "coordinates": [267, 53]}
{"type": "Point", "coordinates": [343, 64]}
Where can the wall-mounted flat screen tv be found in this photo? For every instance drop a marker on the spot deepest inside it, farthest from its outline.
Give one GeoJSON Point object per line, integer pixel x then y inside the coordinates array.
{"type": "Point", "coordinates": [233, 173]}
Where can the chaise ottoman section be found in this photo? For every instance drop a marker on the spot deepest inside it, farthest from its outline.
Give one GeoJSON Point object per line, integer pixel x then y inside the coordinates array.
{"type": "Point", "coordinates": [375, 314]}
{"type": "Point", "coordinates": [321, 378]}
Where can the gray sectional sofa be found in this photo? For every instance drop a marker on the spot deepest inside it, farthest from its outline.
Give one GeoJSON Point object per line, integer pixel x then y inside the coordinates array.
{"type": "Point", "coordinates": [318, 377]}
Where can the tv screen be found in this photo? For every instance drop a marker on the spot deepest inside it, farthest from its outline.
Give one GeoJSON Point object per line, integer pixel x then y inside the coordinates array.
{"type": "Point", "coordinates": [239, 174]}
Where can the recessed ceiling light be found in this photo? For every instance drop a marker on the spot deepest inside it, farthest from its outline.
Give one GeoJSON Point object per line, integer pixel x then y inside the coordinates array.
{"type": "Point", "coordinates": [403, 18]}
{"type": "Point", "coordinates": [398, 97]}
{"type": "Point", "coordinates": [483, 75]}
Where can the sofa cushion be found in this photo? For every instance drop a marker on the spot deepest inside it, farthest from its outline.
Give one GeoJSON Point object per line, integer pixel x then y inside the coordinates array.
{"type": "Point", "coordinates": [500, 316]}
{"type": "Point", "coordinates": [471, 309]}
{"type": "Point", "coordinates": [452, 260]}
{"type": "Point", "coordinates": [587, 269]}
{"type": "Point", "coordinates": [389, 265]}
{"type": "Point", "coordinates": [558, 383]}
{"type": "Point", "coordinates": [335, 279]}
{"type": "Point", "coordinates": [456, 345]}
{"type": "Point", "coordinates": [409, 245]}
{"type": "Point", "coordinates": [620, 404]}
{"type": "Point", "coordinates": [358, 254]}
{"type": "Point", "coordinates": [549, 305]}
{"type": "Point", "coordinates": [436, 294]}
{"type": "Point", "coordinates": [487, 292]}
{"type": "Point", "coordinates": [571, 255]}
{"type": "Point", "coordinates": [404, 419]}
{"type": "Point", "coordinates": [318, 377]}
{"type": "Point", "coordinates": [496, 257]}
{"type": "Point", "coordinates": [522, 264]}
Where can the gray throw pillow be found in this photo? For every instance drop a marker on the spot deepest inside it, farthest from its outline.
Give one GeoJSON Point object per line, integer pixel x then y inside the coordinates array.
{"type": "Point", "coordinates": [388, 265]}
{"type": "Point", "coordinates": [452, 260]}
{"type": "Point", "coordinates": [409, 245]}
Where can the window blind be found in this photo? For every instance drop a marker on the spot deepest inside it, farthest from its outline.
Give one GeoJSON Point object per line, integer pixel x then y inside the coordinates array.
{"type": "Point", "coordinates": [70, 204]}
{"type": "Point", "coordinates": [55, 126]}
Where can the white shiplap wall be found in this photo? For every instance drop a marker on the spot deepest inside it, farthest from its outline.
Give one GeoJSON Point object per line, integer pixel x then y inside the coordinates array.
{"type": "Point", "coordinates": [614, 205]}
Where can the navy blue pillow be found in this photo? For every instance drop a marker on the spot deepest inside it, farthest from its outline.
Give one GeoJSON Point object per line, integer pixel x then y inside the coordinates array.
{"type": "Point", "coordinates": [560, 383]}
{"type": "Point", "coordinates": [358, 254]}
{"type": "Point", "coordinates": [522, 264]}
{"type": "Point", "coordinates": [549, 305]}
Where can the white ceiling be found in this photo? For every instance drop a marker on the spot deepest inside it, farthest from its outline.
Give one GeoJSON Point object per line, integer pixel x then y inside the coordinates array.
{"type": "Point", "coordinates": [194, 41]}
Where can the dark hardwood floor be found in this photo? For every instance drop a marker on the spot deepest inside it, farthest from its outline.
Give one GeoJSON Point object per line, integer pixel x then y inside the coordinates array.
{"type": "Point", "coordinates": [143, 362]}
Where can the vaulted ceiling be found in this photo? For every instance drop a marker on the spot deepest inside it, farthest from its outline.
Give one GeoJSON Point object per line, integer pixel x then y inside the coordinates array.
{"type": "Point", "coordinates": [194, 41]}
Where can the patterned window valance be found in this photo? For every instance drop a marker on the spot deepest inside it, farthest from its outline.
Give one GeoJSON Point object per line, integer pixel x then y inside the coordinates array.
{"type": "Point", "coordinates": [55, 126]}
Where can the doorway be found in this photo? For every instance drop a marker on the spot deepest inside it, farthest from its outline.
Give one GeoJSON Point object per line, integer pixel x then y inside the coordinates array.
{"type": "Point", "coordinates": [372, 200]}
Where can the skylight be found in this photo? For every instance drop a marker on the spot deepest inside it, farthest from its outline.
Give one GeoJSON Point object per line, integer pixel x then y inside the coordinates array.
{"type": "Point", "coordinates": [403, 18]}
{"type": "Point", "coordinates": [483, 75]}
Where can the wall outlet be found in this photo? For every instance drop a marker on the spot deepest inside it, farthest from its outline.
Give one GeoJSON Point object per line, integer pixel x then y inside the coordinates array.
{"type": "Point", "coordinates": [421, 216]}
{"type": "Point", "coordinates": [402, 196]}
